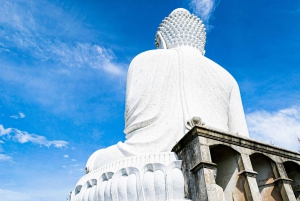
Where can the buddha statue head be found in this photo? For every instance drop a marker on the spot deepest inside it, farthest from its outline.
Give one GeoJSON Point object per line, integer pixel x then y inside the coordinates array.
{"type": "Point", "coordinates": [181, 28]}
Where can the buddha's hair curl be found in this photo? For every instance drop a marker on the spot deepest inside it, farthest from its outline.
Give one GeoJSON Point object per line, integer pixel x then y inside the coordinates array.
{"type": "Point", "coordinates": [181, 28]}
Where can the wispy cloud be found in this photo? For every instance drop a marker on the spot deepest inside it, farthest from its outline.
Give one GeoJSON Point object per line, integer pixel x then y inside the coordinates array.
{"type": "Point", "coordinates": [21, 115]}
{"type": "Point", "coordinates": [14, 195]}
{"type": "Point", "coordinates": [204, 9]}
{"type": "Point", "coordinates": [4, 131]}
{"type": "Point", "coordinates": [4, 157]}
{"type": "Point", "coordinates": [24, 137]}
{"type": "Point", "coordinates": [66, 156]}
{"type": "Point", "coordinates": [23, 29]}
{"type": "Point", "coordinates": [280, 127]}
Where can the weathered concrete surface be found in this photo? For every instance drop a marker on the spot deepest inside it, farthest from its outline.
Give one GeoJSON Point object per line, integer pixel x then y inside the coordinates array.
{"type": "Point", "coordinates": [198, 171]}
{"type": "Point", "coordinates": [265, 179]}
{"type": "Point", "coordinates": [293, 172]}
{"type": "Point", "coordinates": [228, 172]}
{"type": "Point", "coordinates": [247, 169]}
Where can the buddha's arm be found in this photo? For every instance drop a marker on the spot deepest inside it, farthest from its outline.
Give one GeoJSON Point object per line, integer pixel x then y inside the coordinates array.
{"type": "Point", "coordinates": [236, 117]}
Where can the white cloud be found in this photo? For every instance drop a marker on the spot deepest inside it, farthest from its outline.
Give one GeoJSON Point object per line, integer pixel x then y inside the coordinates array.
{"type": "Point", "coordinates": [58, 143]}
{"type": "Point", "coordinates": [74, 160]}
{"type": "Point", "coordinates": [4, 131]}
{"type": "Point", "coordinates": [66, 156]}
{"type": "Point", "coordinates": [24, 137]}
{"type": "Point", "coordinates": [204, 9]}
{"type": "Point", "coordinates": [14, 116]}
{"type": "Point", "coordinates": [14, 195]}
{"type": "Point", "coordinates": [26, 31]}
{"type": "Point", "coordinates": [4, 157]}
{"type": "Point", "coordinates": [280, 127]}
{"type": "Point", "coordinates": [21, 115]}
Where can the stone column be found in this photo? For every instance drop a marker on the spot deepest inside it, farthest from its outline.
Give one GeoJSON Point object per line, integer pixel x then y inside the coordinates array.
{"type": "Point", "coordinates": [250, 184]}
{"type": "Point", "coordinates": [283, 182]}
{"type": "Point", "coordinates": [198, 170]}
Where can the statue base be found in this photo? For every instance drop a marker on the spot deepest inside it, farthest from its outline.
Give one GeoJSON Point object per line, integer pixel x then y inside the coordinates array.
{"type": "Point", "coordinates": [155, 176]}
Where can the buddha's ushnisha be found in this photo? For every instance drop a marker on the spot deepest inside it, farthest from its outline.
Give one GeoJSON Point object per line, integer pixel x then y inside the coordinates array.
{"type": "Point", "coordinates": [169, 86]}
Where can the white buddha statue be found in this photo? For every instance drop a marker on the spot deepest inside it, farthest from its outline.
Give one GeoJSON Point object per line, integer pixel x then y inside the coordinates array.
{"type": "Point", "coordinates": [169, 86]}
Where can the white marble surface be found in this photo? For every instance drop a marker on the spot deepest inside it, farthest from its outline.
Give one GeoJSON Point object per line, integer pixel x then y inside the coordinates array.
{"type": "Point", "coordinates": [153, 177]}
{"type": "Point", "coordinates": [166, 88]}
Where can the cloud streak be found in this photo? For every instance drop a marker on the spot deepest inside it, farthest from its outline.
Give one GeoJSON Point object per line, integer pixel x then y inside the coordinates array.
{"type": "Point", "coordinates": [14, 195]}
{"type": "Point", "coordinates": [21, 115]}
{"type": "Point", "coordinates": [280, 127]}
{"type": "Point", "coordinates": [24, 137]}
{"type": "Point", "coordinates": [204, 9]}
{"type": "Point", "coordinates": [4, 157]}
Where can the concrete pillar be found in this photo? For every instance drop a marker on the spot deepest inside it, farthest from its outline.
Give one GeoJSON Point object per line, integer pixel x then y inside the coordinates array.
{"type": "Point", "coordinates": [205, 181]}
{"type": "Point", "coordinates": [198, 170]}
{"type": "Point", "coordinates": [250, 184]}
{"type": "Point", "coordinates": [283, 182]}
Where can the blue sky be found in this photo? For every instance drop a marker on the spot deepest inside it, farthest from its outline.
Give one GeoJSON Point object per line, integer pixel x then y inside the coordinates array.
{"type": "Point", "coordinates": [63, 68]}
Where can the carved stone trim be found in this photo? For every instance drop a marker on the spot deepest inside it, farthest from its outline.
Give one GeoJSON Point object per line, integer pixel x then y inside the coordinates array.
{"type": "Point", "coordinates": [281, 180]}
{"type": "Point", "coordinates": [109, 185]}
{"type": "Point", "coordinates": [203, 164]}
{"type": "Point", "coordinates": [241, 141]}
{"type": "Point", "coordinates": [248, 173]}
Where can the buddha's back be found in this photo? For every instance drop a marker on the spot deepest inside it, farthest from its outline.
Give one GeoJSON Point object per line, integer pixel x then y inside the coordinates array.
{"type": "Point", "coordinates": [167, 88]}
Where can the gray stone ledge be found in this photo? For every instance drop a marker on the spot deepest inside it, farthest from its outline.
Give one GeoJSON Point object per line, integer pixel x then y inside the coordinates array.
{"type": "Point", "coordinates": [248, 173]}
{"type": "Point", "coordinates": [281, 180]}
{"type": "Point", "coordinates": [241, 141]}
{"type": "Point", "coordinates": [203, 164]}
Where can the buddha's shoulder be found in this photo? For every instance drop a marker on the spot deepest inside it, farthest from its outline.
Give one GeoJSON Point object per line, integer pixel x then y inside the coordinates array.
{"type": "Point", "coordinates": [154, 53]}
{"type": "Point", "coordinates": [152, 58]}
{"type": "Point", "coordinates": [181, 56]}
{"type": "Point", "coordinates": [219, 73]}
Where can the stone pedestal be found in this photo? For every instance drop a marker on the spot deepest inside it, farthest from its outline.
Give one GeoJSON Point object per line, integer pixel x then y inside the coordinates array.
{"type": "Point", "coordinates": [155, 176]}
{"type": "Point", "coordinates": [247, 169]}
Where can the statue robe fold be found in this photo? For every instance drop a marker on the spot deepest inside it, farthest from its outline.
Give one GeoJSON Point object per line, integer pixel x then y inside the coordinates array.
{"type": "Point", "coordinates": [168, 87]}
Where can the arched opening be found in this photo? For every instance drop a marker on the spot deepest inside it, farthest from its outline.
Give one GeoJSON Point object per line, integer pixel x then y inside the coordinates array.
{"type": "Point", "coordinates": [293, 172]}
{"type": "Point", "coordinates": [227, 160]}
{"type": "Point", "coordinates": [266, 169]}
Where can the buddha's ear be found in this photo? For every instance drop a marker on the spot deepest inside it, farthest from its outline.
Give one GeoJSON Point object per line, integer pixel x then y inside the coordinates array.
{"type": "Point", "coordinates": [160, 41]}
